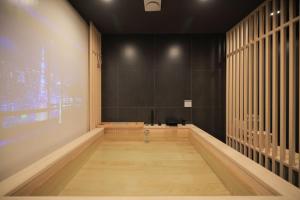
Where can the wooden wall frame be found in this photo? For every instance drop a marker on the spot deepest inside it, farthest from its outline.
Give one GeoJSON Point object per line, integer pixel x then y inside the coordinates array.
{"type": "Point", "coordinates": [95, 62]}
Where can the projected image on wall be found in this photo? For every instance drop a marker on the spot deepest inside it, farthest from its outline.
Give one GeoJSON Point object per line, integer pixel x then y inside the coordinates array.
{"type": "Point", "coordinates": [43, 78]}
{"type": "Point", "coordinates": [43, 95]}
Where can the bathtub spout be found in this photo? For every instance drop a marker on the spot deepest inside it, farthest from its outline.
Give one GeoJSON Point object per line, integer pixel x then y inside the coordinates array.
{"type": "Point", "coordinates": [146, 136]}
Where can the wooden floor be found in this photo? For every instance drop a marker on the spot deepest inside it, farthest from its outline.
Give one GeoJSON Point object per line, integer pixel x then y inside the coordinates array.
{"type": "Point", "coordinates": [114, 168]}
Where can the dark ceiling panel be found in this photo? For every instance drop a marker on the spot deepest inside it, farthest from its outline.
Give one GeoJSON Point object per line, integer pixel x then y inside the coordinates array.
{"type": "Point", "coordinates": [177, 16]}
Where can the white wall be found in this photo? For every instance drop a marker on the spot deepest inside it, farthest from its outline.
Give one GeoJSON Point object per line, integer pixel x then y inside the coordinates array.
{"type": "Point", "coordinates": [43, 80]}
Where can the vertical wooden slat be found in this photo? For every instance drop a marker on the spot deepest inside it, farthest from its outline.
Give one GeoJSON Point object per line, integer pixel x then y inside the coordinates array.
{"type": "Point", "coordinates": [234, 100]}
{"type": "Point", "coordinates": [227, 88]}
{"type": "Point", "coordinates": [238, 37]}
{"type": "Point", "coordinates": [282, 100]}
{"type": "Point", "coordinates": [255, 52]}
{"type": "Point", "coordinates": [247, 31]}
{"type": "Point", "coordinates": [246, 86]}
{"type": "Point", "coordinates": [292, 96]}
{"type": "Point", "coordinates": [100, 81]}
{"type": "Point", "coordinates": [99, 113]}
{"type": "Point", "coordinates": [227, 94]}
{"type": "Point", "coordinates": [251, 62]}
{"type": "Point", "coordinates": [246, 144]}
{"type": "Point", "coordinates": [229, 78]}
{"type": "Point", "coordinates": [261, 90]}
{"type": "Point", "coordinates": [238, 98]}
{"type": "Point", "coordinates": [250, 115]}
{"type": "Point", "coordinates": [268, 92]}
{"type": "Point", "coordinates": [234, 88]}
{"type": "Point", "coordinates": [99, 75]}
{"type": "Point", "coordinates": [242, 141]}
{"type": "Point", "coordinates": [255, 24]}
{"type": "Point", "coordinates": [274, 97]}
{"type": "Point", "coordinates": [242, 64]}
{"type": "Point", "coordinates": [231, 100]}
{"type": "Point", "coordinates": [231, 92]}
{"type": "Point", "coordinates": [255, 79]}
{"type": "Point", "coordinates": [274, 101]}
{"type": "Point", "coordinates": [242, 35]}
{"type": "Point", "coordinates": [250, 28]}
{"type": "Point", "coordinates": [231, 41]}
{"type": "Point", "coordinates": [94, 77]}
{"type": "Point", "coordinates": [234, 40]}
{"type": "Point", "coordinates": [238, 90]}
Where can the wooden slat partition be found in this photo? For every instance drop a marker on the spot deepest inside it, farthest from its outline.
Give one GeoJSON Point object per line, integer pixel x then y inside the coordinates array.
{"type": "Point", "coordinates": [94, 76]}
{"type": "Point", "coordinates": [262, 62]}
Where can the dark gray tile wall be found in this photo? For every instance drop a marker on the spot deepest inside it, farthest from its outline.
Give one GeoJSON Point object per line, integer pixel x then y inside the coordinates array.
{"type": "Point", "coordinates": [145, 72]}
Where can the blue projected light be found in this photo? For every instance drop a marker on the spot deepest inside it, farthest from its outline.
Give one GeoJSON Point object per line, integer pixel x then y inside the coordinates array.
{"type": "Point", "coordinates": [39, 92]}
{"type": "Point", "coordinates": [6, 43]}
{"type": "Point", "coordinates": [43, 93]}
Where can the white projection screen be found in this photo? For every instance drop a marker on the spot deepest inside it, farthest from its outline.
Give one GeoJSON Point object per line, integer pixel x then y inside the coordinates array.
{"type": "Point", "coordinates": [43, 80]}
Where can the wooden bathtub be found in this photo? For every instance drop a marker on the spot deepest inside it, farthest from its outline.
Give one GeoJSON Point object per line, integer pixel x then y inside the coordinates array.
{"type": "Point", "coordinates": [171, 150]}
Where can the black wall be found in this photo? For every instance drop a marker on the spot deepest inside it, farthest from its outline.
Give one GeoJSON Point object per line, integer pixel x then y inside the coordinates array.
{"type": "Point", "coordinates": [144, 72]}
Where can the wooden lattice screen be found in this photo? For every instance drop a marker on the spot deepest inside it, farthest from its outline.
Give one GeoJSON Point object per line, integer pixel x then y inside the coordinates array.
{"type": "Point", "coordinates": [262, 97]}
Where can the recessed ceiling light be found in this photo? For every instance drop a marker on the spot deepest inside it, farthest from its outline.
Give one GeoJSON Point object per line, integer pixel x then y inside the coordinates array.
{"type": "Point", "coordinates": [174, 51]}
{"type": "Point", "coordinates": [129, 52]}
{"type": "Point", "coordinates": [271, 14]}
{"type": "Point", "coordinates": [278, 11]}
{"type": "Point", "coordinates": [107, 1]}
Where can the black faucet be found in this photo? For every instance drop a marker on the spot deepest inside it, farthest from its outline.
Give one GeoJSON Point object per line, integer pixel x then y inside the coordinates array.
{"type": "Point", "coordinates": [152, 117]}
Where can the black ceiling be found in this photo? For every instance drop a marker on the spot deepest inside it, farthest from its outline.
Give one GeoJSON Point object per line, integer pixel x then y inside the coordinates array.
{"type": "Point", "coordinates": [177, 16]}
